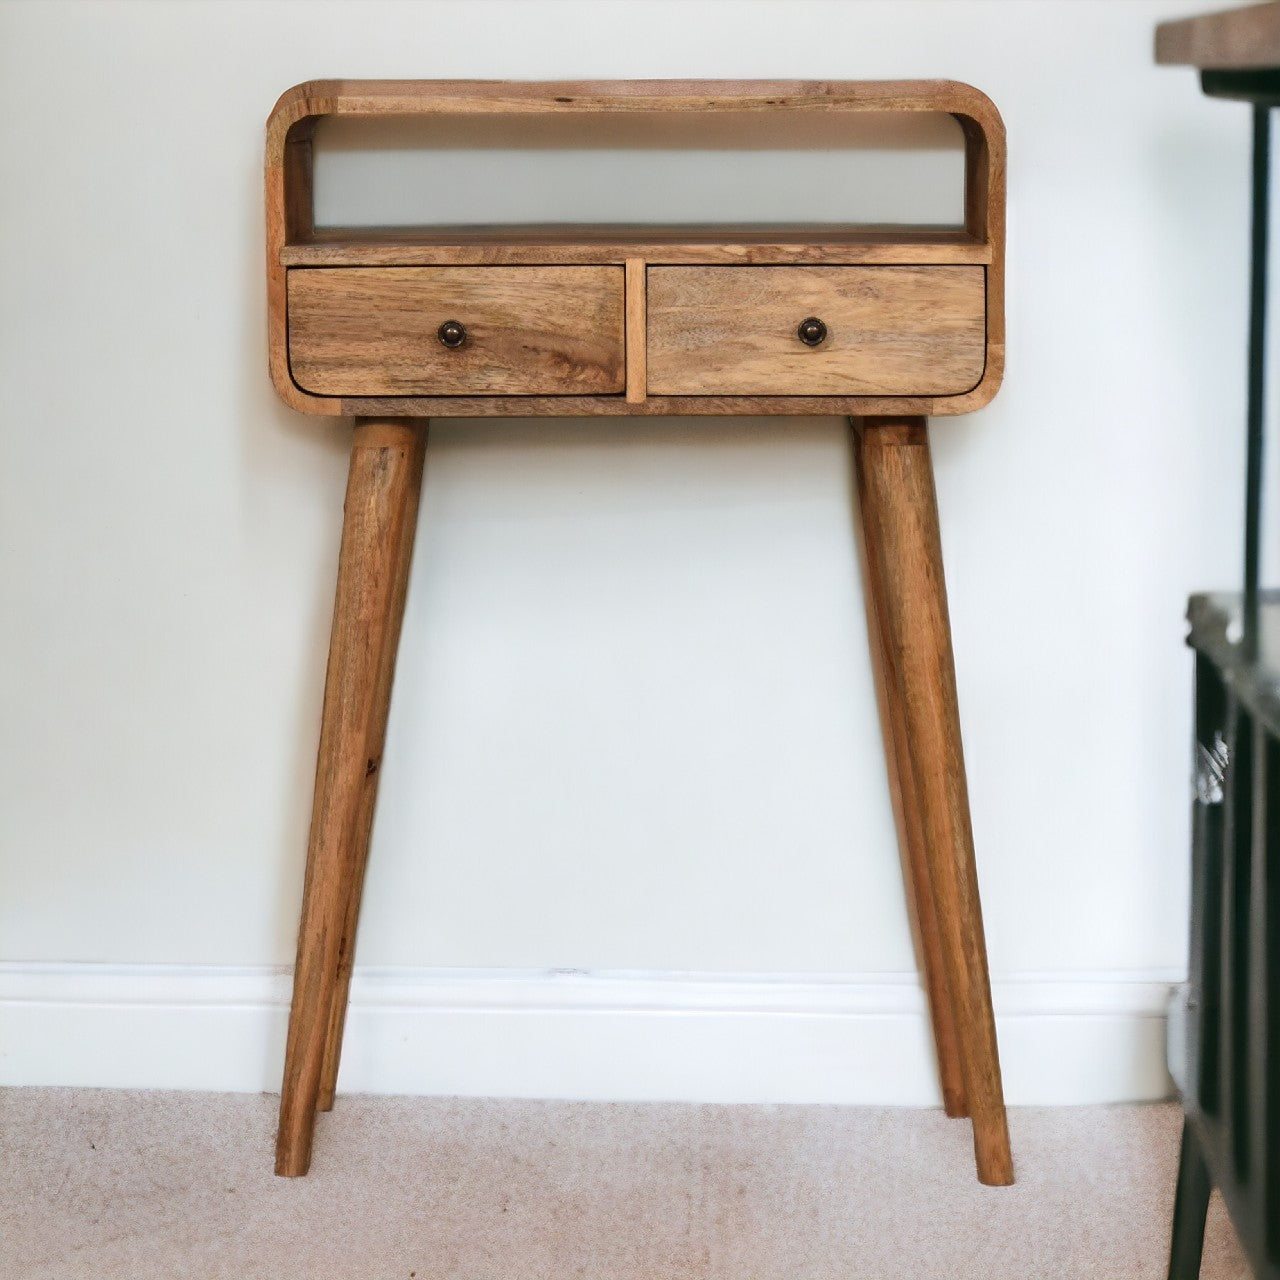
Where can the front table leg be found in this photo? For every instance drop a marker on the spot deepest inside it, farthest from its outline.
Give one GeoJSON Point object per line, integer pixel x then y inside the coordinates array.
{"type": "Point", "coordinates": [900, 516]}
{"type": "Point", "coordinates": [379, 517]}
{"type": "Point", "coordinates": [906, 812]}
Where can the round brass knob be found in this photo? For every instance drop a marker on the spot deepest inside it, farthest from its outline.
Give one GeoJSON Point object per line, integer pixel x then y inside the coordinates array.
{"type": "Point", "coordinates": [451, 333]}
{"type": "Point", "coordinates": [811, 331]}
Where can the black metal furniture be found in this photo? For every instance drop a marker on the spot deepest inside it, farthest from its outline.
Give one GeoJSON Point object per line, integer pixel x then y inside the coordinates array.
{"type": "Point", "coordinates": [1231, 1133]}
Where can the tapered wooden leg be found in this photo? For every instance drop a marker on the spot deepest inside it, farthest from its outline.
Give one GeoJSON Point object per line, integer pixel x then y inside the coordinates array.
{"type": "Point", "coordinates": [906, 813]}
{"type": "Point", "coordinates": [363, 827]}
{"type": "Point", "coordinates": [379, 516]}
{"type": "Point", "coordinates": [1190, 1209]}
{"type": "Point", "coordinates": [900, 516]}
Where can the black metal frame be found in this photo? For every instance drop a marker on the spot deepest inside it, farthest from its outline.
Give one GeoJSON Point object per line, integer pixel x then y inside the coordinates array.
{"type": "Point", "coordinates": [1262, 90]}
{"type": "Point", "coordinates": [1231, 1136]}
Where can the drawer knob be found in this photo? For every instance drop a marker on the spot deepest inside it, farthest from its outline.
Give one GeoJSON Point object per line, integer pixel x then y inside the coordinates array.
{"type": "Point", "coordinates": [811, 331]}
{"type": "Point", "coordinates": [452, 333]}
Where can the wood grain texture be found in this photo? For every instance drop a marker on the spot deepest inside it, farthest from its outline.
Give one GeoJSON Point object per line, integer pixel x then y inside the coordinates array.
{"type": "Point", "coordinates": [901, 522]}
{"type": "Point", "coordinates": [637, 332]}
{"type": "Point", "coordinates": [289, 210]}
{"type": "Point", "coordinates": [984, 219]}
{"type": "Point", "coordinates": [659, 406]}
{"type": "Point", "coordinates": [379, 516]}
{"type": "Point", "coordinates": [890, 330]}
{"type": "Point", "coordinates": [907, 814]}
{"type": "Point", "coordinates": [530, 330]}
{"type": "Point", "coordinates": [711, 245]}
{"type": "Point", "coordinates": [1233, 38]}
{"type": "Point", "coordinates": [291, 241]}
{"type": "Point", "coordinates": [372, 435]}
{"type": "Point", "coordinates": [315, 98]}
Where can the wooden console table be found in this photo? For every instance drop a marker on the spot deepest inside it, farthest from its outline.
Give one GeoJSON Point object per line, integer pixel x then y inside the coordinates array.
{"type": "Point", "coordinates": [882, 324]}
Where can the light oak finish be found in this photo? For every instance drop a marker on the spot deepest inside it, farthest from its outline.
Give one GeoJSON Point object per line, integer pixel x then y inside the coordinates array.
{"type": "Point", "coordinates": [293, 241]}
{"type": "Point", "coordinates": [692, 246]}
{"type": "Point", "coordinates": [373, 331]}
{"type": "Point", "coordinates": [606, 321]}
{"type": "Point", "coordinates": [404, 502]}
{"type": "Point", "coordinates": [900, 517]}
{"type": "Point", "coordinates": [890, 330]}
{"type": "Point", "coordinates": [637, 332]}
{"type": "Point", "coordinates": [652, 406]}
{"type": "Point", "coordinates": [379, 517]}
{"type": "Point", "coordinates": [906, 808]}
{"type": "Point", "coordinates": [1234, 38]}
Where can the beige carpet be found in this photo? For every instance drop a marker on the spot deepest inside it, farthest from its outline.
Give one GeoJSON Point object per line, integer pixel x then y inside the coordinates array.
{"type": "Point", "coordinates": [142, 1186]}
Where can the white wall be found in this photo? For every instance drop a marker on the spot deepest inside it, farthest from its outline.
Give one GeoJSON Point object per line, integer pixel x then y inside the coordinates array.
{"type": "Point", "coordinates": [634, 726]}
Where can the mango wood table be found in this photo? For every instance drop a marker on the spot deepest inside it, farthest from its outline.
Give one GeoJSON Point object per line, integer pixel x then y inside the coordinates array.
{"type": "Point", "coordinates": [883, 324]}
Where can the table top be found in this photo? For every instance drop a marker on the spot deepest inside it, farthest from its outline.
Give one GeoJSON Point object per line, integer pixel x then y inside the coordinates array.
{"type": "Point", "coordinates": [1228, 40]}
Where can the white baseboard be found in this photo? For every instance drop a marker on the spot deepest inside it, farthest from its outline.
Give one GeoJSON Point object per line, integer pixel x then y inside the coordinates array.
{"type": "Point", "coordinates": [864, 1040]}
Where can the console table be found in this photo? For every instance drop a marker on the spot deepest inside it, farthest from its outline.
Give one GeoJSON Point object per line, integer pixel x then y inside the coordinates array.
{"type": "Point", "coordinates": [884, 325]}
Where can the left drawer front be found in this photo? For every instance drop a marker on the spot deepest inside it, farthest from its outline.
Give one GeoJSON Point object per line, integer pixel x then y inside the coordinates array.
{"type": "Point", "coordinates": [374, 331]}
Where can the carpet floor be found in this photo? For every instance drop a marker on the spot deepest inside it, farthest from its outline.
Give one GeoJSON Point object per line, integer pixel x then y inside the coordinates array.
{"type": "Point", "coordinates": [164, 1186]}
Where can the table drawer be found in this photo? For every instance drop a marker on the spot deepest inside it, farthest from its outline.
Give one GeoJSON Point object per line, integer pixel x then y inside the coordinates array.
{"type": "Point", "coordinates": [375, 331]}
{"type": "Point", "coordinates": [888, 330]}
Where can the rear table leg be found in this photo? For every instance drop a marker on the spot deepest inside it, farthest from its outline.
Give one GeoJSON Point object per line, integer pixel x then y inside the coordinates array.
{"type": "Point", "coordinates": [901, 521]}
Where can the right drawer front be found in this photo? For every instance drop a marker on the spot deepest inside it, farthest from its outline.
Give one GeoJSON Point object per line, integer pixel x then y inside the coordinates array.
{"type": "Point", "coordinates": [889, 330]}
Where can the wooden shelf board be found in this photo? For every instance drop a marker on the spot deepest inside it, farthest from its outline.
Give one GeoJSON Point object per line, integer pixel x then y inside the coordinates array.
{"type": "Point", "coordinates": [396, 246]}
